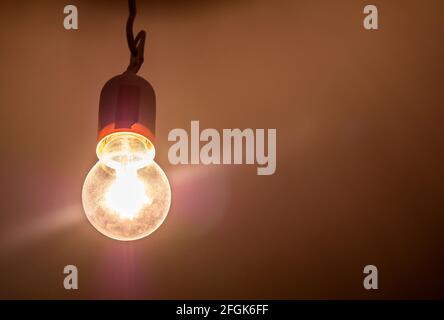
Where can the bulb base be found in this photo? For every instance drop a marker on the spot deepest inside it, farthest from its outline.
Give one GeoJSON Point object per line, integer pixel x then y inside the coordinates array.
{"type": "Point", "coordinates": [127, 104]}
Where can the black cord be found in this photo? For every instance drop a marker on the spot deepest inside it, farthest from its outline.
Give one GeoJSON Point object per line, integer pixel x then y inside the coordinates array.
{"type": "Point", "coordinates": [136, 45]}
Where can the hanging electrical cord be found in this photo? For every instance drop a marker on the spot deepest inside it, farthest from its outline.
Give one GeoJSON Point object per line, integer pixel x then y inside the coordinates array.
{"type": "Point", "coordinates": [136, 45]}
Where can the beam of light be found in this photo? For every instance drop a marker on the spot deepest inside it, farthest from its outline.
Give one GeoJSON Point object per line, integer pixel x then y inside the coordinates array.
{"type": "Point", "coordinates": [200, 197]}
{"type": "Point", "coordinates": [122, 271]}
{"type": "Point", "coordinates": [41, 225]}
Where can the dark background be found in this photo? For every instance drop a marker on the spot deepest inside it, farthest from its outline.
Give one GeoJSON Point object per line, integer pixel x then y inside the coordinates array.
{"type": "Point", "coordinates": [359, 175]}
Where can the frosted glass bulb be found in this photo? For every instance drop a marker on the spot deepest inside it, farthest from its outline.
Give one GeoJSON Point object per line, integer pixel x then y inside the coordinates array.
{"type": "Point", "coordinates": [126, 195]}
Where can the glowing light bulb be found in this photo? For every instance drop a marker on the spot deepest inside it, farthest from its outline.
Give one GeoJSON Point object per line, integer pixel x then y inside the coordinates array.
{"type": "Point", "coordinates": [126, 195]}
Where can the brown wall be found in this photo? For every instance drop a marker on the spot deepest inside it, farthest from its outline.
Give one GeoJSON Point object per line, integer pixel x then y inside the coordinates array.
{"type": "Point", "coordinates": [359, 175]}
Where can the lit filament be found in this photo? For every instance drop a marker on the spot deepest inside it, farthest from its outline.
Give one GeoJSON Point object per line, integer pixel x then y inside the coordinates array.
{"type": "Point", "coordinates": [126, 195]}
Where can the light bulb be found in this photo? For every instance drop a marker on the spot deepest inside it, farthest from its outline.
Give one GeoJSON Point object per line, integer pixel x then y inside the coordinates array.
{"type": "Point", "coordinates": [126, 195]}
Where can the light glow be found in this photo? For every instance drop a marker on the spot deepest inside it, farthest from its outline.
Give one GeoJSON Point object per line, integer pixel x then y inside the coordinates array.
{"type": "Point", "coordinates": [126, 195]}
